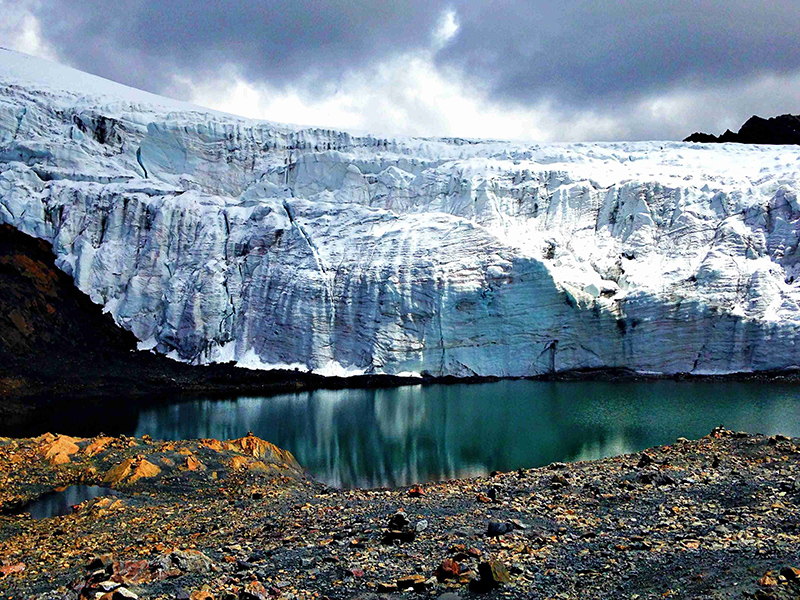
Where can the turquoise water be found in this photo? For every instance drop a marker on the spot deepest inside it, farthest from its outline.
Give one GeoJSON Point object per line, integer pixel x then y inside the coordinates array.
{"type": "Point", "coordinates": [391, 437]}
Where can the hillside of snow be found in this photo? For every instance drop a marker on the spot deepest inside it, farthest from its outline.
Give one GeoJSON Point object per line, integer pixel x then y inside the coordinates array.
{"type": "Point", "coordinates": [217, 238]}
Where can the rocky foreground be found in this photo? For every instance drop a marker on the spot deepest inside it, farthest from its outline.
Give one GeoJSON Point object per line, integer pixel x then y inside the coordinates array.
{"type": "Point", "coordinates": [713, 518]}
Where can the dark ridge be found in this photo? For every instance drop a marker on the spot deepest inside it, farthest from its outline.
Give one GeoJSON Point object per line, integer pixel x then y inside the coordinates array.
{"type": "Point", "coordinates": [781, 130]}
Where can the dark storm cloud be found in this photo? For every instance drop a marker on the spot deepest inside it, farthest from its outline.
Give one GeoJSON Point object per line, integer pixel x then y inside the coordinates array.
{"type": "Point", "coordinates": [579, 52]}
{"type": "Point", "coordinates": [586, 52]}
{"type": "Point", "coordinates": [143, 43]}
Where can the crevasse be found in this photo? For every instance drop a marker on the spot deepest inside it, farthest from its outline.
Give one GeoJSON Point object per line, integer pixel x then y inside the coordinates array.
{"type": "Point", "coordinates": [217, 238]}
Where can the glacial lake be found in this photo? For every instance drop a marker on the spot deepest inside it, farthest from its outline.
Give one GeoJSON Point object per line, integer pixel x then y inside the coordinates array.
{"type": "Point", "coordinates": [415, 434]}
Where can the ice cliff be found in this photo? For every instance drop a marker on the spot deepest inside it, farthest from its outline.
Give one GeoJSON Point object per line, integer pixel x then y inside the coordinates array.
{"type": "Point", "coordinates": [218, 238]}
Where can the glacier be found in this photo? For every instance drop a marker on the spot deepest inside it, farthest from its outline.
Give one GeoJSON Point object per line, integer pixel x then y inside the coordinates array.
{"type": "Point", "coordinates": [216, 238]}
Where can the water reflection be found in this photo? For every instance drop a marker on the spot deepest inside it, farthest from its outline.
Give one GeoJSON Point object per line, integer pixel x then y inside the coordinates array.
{"type": "Point", "coordinates": [392, 437]}
{"type": "Point", "coordinates": [56, 504]}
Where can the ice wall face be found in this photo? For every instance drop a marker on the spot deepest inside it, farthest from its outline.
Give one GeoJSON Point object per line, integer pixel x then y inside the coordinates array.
{"type": "Point", "coordinates": [216, 238]}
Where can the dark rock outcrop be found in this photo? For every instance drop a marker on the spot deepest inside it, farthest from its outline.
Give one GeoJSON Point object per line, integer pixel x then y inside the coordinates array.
{"type": "Point", "coordinates": [784, 129]}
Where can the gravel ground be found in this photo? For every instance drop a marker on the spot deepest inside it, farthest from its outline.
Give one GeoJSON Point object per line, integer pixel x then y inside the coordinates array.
{"type": "Point", "coordinates": [714, 518]}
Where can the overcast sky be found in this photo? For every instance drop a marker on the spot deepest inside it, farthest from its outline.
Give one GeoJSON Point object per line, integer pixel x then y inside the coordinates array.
{"type": "Point", "coordinates": [574, 70]}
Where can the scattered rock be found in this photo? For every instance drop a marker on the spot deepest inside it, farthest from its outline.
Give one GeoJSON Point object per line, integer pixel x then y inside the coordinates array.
{"type": "Point", "coordinates": [768, 580]}
{"type": "Point", "coordinates": [449, 569]}
{"type": "Point", "coordinates": [120, 594]}
{"type": "Point", "coordinates": [416, 492]}
{"type": "Point", "coordinates": [791, 573]}
{"type": "Point", "coordinates": [645, 460]}
{"type": "Point", "coordinates": [386, 588]}
{"type": "Point", "coordinates": [191, 561]}
{"type": "Point", "coordinates": [496, 529]}
{"type": "Point", "coordinates": [417, 582]}
{"type": "Point", "coordinates": [254, 590]}
{"type": "Point", "coordinates": [492, 575]}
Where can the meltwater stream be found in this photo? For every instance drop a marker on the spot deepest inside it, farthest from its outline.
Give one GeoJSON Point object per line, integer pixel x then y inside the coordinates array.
{"type": "Point", "coordinates": [390, 437]}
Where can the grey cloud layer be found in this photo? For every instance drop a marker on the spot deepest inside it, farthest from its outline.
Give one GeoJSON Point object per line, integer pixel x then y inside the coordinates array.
{"type": "Point", "coordinates": [598, 54]}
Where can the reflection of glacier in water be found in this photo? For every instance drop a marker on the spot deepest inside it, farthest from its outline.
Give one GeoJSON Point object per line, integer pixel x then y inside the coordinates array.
{"type": "Point", "coordinates": [389, 437]}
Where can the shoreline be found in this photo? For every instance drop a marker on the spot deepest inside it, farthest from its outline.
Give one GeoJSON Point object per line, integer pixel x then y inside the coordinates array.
{"type": "Point", "coordinates": [18, 404]}
{"type": "Point", "coordinates": [716, 517]}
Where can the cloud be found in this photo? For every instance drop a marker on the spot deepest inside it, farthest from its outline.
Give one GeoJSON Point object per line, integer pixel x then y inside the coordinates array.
{"type": "Point", "coordinates": [577, 69]}
{"type": "Point", "coordinates": [20, 29]}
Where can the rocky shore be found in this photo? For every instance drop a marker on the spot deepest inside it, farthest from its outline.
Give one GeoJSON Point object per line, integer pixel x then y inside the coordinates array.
{"type": "Point", "coordinates": [239, 520]}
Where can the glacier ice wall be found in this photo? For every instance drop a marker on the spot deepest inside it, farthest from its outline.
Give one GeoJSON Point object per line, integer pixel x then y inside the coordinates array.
{"type": "Point", "coordinates": [217, 238]}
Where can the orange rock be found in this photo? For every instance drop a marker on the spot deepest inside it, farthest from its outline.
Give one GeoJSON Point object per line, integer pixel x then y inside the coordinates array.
{"type": "Point", "coordinates": [449, 569]}
{"type": "Point", "coordinates": [63, 444]}
{"type": "Point", "coordinates": [58, 459]}
{"type": "Point", "coordinates": [237, 462]}
{"type": "Point", "coordinates": [131, 470]}
{"type": "Point", "coordinates": [192, 464]}
{"type": "Point", "coordinates": [144, 469]}
{"type": "Point", "coordinates": [119, 472]}
{"type": "Point", "coordinates": [8, 570]}
{"type": "Point", "coordinates": [768, 580]}
{"type": "Point", "coordinates": [416, 491]}
{"type": "Point", "coordinates": [215, 445]}
{"type": "Point", "coordinates": [201, 595]}
{"type": "Point", "coordinates": [258, 448]}
{"type": "Point", "coordinates": [45, 438]}
{"type": "Point", "coordinates": [258, 466]}
{"type": "Point", "coordinates": [98, 445]}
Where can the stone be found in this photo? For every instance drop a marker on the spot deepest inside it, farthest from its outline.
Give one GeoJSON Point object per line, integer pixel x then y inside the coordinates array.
{"type": "Point", "coordinates": [191, 561]}
{"type": "Point", "coordinates": [255, 447]}
{"type": "Point", "coordinates": [421, 525]}
{"type": "Point", "coordinates": [768, 580]}
{"type": "Point", "coordinates": [449, 596]}
{"type": "Point", "coordinates": [386, 588]}
{"type": "Point", "coordinates": [448, 569]}
{"type": "Point", "coordinates": [133, 572]}
{"type": "Point", "coordinates": [120, 594]}
{"type": "Point", "coordinates": [496, 529]}
{"type": "Point", "coordinates": [254, 590]}
{"type": "Point", "coordinates": [98, 445]}
{"type": "Point", "coordinates": [193, 464]}
{"type": "Point", "coordinates": [416, 491]}
{"type": "Point", "coordinates": [411, 581]}
{"type": "Point", "coordinates": [201, 595]}
{"type": "Point", "coordinates": [107, 586]}
{"type": "Point", "coordinates": [791, 573]}
{"type": "Point", "coordinates": [645, 460]}
{"type": "Point", "coordinates": [474, 552]}
{"type": "Point", "coordinates": [58, 451]}
{"type": "Point", "coordinates": [398, 521]}
{"type": "Point", "coordinates": [493, 573]}
{"type": "Point", "coordinates": [6, 570]}
{"type": "Point", "coordinates": [130, 471]}
{"type": "Point", "coordinates": [102, 561]}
